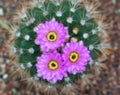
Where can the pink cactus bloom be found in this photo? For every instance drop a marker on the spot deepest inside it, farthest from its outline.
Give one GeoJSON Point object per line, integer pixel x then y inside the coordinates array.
{"type": "Point", "coordinates": [50, 67]}
{"type": "Point", "coordinates": [51, 35]}
{"type": "Point", "coordinates": [76, 57]}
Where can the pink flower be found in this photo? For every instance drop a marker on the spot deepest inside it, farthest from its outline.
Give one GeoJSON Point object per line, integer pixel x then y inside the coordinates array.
{"type": "Point", "coordinates": [51, 67]}
{"type": "Point", "coordinates": [51, 35]}
{"type": "Point", "coordinates": [76, 57]}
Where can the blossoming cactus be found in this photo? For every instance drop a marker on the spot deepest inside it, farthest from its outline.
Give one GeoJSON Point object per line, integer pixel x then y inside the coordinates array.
{"type": "Point", "coordinates": [57, 42]}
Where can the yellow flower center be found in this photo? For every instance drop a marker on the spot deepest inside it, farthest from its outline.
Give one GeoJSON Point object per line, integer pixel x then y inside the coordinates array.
{"type": "Point", "coordinates": [73, 57]}
{"type": "Point", "coordinates": [53, 65]}
{"type": "Point", "coordinates": [52, 36]}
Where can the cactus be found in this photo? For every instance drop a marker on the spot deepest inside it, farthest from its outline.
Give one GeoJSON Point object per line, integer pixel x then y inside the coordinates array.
{"type": "Point", "coordinates": [83, 26]}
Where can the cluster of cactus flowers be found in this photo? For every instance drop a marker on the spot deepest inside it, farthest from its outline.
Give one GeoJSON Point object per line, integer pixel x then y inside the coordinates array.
{"type": "Point", "coordinates": [57, 42]}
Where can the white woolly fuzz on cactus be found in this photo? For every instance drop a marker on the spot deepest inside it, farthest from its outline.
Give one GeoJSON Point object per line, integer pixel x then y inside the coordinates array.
{"type": "Point", "coordinates": [99, 28]}
{"type": "Point", "coordinates": [58, 13]}
{"type": "Point", "coordinates": [94, 31]}
{"type": "Point", "coordinates": [97, 63]}
{"type": "Point", "coordinates": [83, 22]}
{"type": "Point", "coordinates": [39, 4]}
{"type": "Point", "coordinates": [14, 49]}
{"type": "Point", "coordinates": [30, 21]}
{"type": "Point", "coordinates": [1, 12]}
{"type": "Point", "coordinates": [72, 9]}
{"type": "Point", "coordinates": [89, 7]}
{"type": "Point", "coordinates": [56, 2]}
{"type": "Point", "coordinates": [31, 50]}
{"type": "Point", "coordinates": [49, 86]}
{"type": "Point", "coordinates": [91, 47]}
{"type": "Point", "coordinates": [5, 76]}
{"type": "Point", "coordinates": [67, 79]}
{"type": "Point", "coordinates": [69, 85]}
{"type": "Point", "coordinates": [22, 66]}
{"type": "Point", "coordinates": [69, 19]}
{"type": "Point", "coordinates": [35, 29]}
{"type": "Point", "coordinates": [3, 66]}
{"type": "Point", "coordinates": [27, 37]}
{"type": "Point", "coordinates": [21, 51]}
{"type": "Point", "coordinates": [83, 76]}
{"type": "Point", "coordinates": [15, 29]}
{"type": "Point", "coordinates": [45, 13]}
{"type": "Point", "coordinates": [85, 35]}
{"type": "Point", "coordinates": [36, 78]}
{"type": "Point", "coordinates": [23, 16]}
{"type": "Point", "coordinates": [88, 14]}
{"type": "Point", "coordinates": [18, 34]}
{"type": "Point", "coordinates": [91, 62]}
{"type": "Point", "coordinates": [74, 2]}
{"type": "Point", "coordinates": [29, 64]}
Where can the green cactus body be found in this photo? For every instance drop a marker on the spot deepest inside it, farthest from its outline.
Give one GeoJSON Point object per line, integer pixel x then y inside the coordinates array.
{"type": "Point", "coordinates": [80, 26]}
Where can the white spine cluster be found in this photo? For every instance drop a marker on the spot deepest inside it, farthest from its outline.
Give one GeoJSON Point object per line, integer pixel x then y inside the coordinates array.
{"type": "Point", "coordinates": [22, 66]}
{"type": "Point", "coordinates": [31, 50]}
{"type": "Point", "coordinates": [26, 37]}
{"type": "Point", "coordinates": [72, 9]}
{"type": "Point", "coordinates": [58, 13]}
{"type": "Point", "coordinates": [83, 22]}
{"type": "Point", "coordinates": [29, 64]}
{"type": "Point", "coordinates": [69, 19]}
{"type": "Point", "coordinates": [85, 35]}
{"type": "Point", "coordinates": [21, 51]}
{"type": "Point", "coordinates": [32, 20]}
{"type": "Point", "coordinates": [18, 34]}
{"type": "Point", "coordinates": [91, 47]}
{"type": "Point", "coordinates": [45, 13]}
{"type": "Point", "coordinates": [94, 31]}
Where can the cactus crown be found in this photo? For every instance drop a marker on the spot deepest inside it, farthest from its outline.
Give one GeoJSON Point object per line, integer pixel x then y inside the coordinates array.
{"type": "Point", "coordinates": [77, 19]}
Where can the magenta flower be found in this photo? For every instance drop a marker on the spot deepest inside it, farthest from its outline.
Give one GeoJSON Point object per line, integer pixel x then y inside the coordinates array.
{"type": "Point", "coordinates": [50, 66]}
{"type": "Point", "coordinates": [76, 57]}
{"type": "Point", "coordinates": [51, 35]}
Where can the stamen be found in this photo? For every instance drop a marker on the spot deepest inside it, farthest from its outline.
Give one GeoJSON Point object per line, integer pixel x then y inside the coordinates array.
{"type": "Point", "coordinates": [53, 65]}
{"type": "Point", "coordinates": [52, 36]}
{"type": "Point", "coordinates": [74, 56]}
